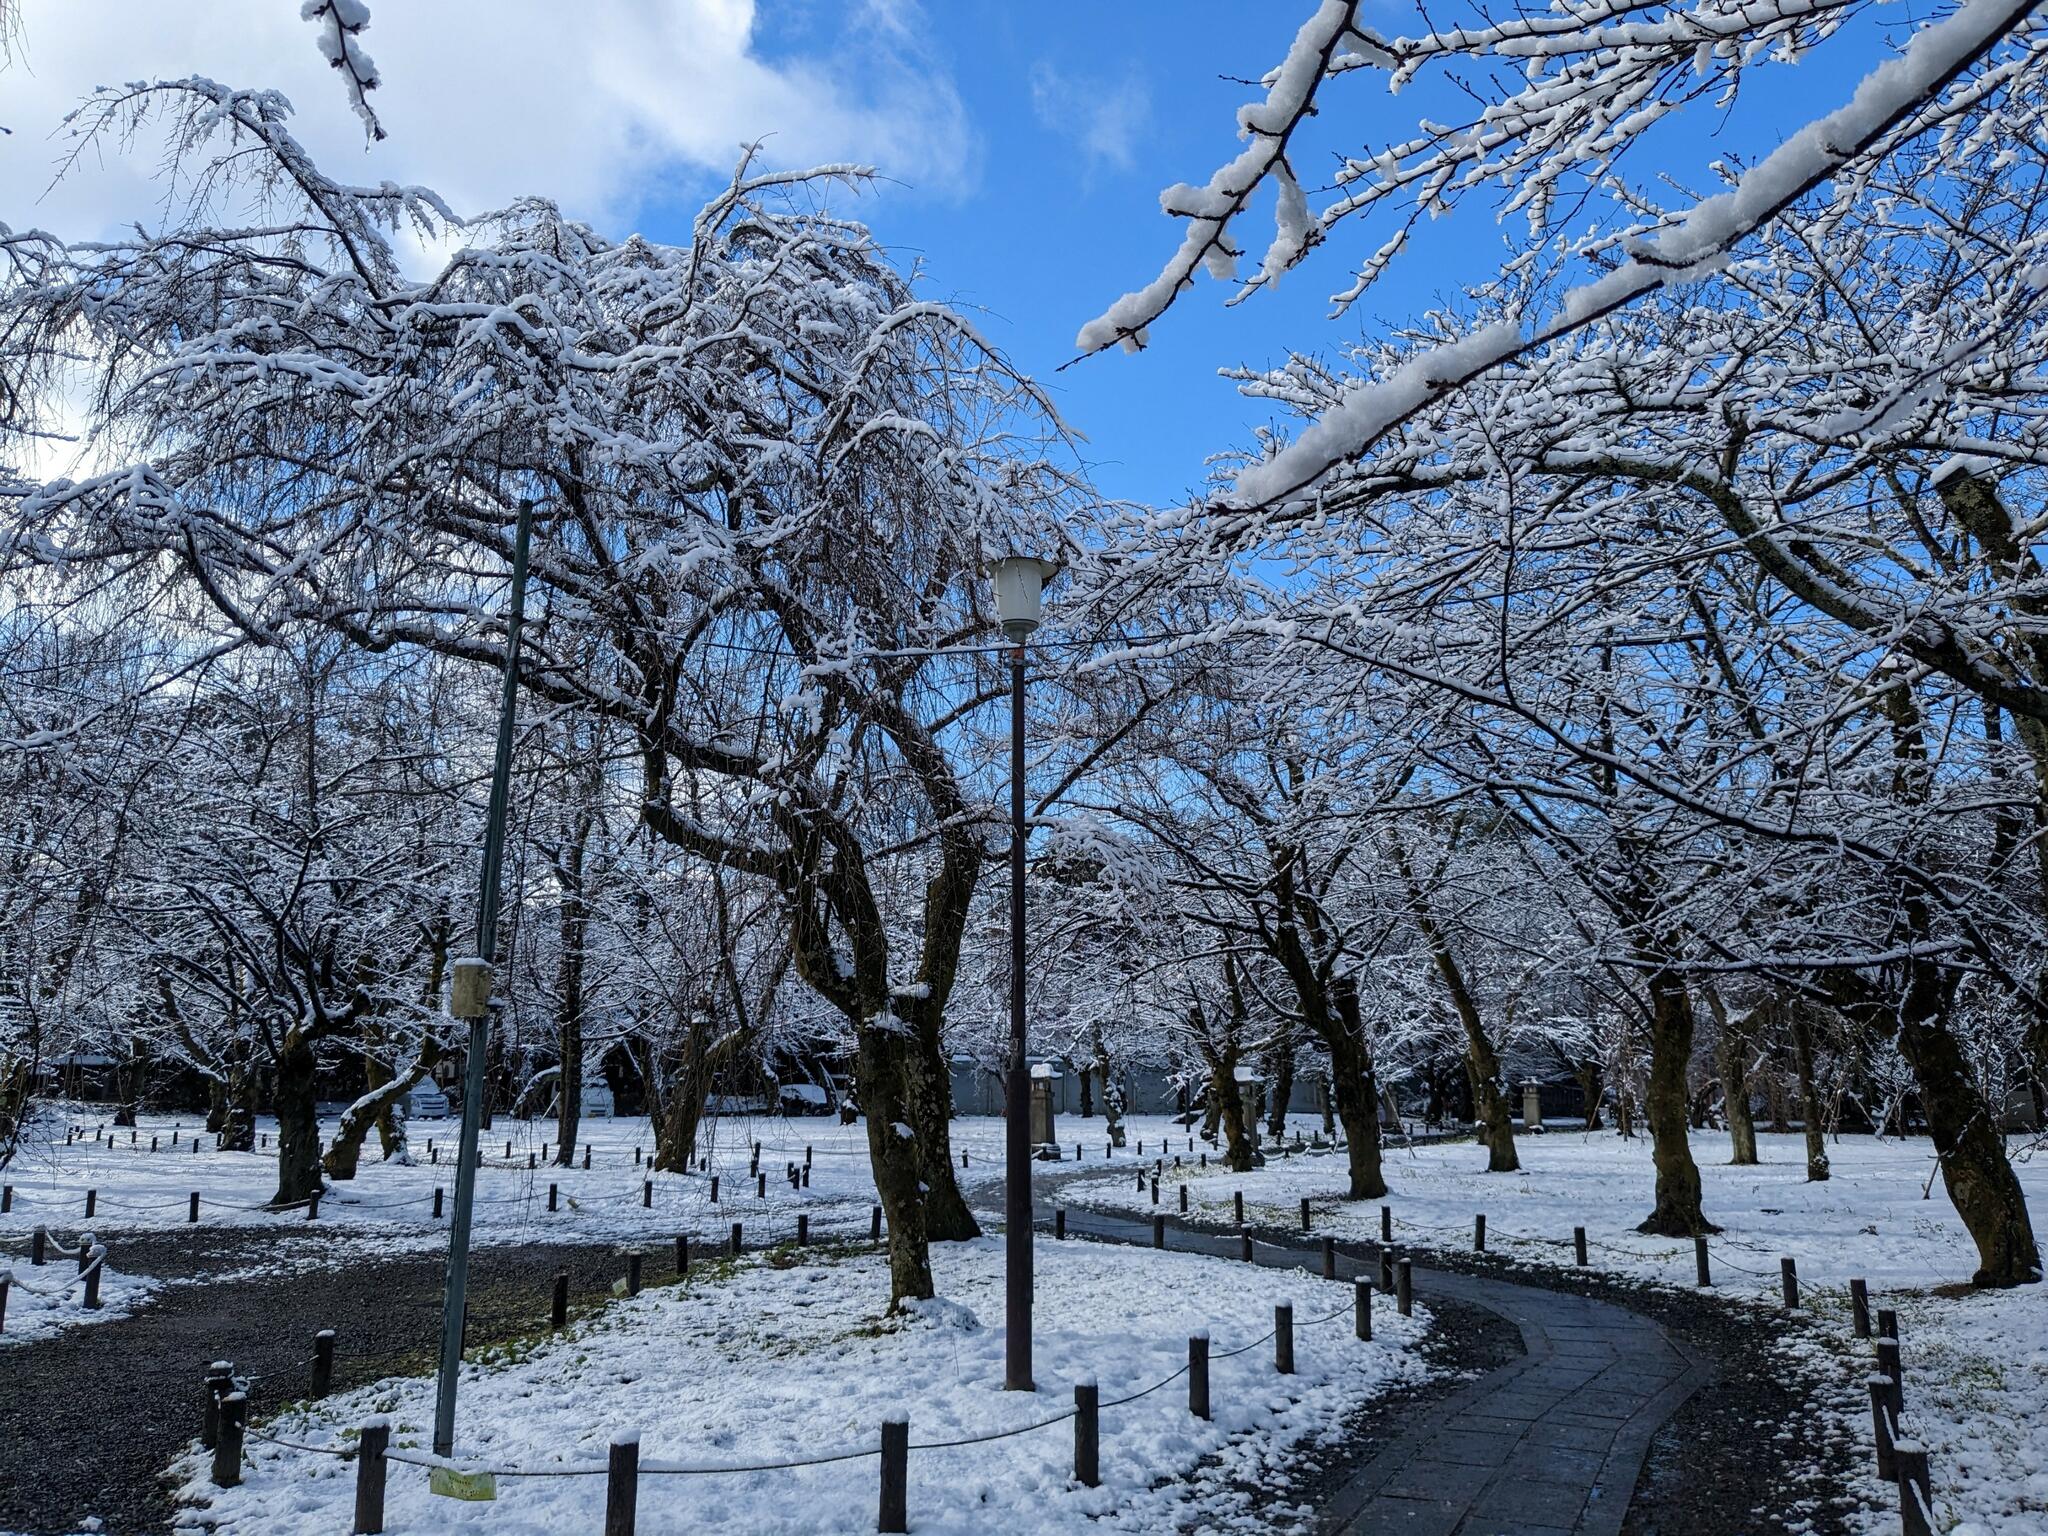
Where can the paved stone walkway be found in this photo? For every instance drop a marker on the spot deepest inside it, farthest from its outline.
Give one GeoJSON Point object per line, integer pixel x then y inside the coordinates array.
{"type": "Point", "coordinates": [1548, 1445]}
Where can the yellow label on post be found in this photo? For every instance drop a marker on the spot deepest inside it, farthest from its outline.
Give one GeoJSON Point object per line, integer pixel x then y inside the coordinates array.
{"type": "Point", "coordinates": [453, 1483]}
{"type": "Point", "coordinates": [619, 1286]}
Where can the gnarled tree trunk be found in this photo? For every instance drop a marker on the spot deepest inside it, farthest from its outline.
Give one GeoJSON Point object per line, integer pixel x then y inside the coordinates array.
{"type": "Point", "coordinates": [1732, 1051]}
{"type": "Point", "coordinates": [298, 1122]}
{"type": "Point", "coordinates": [1677, 1211]}
{"type": "Point", "coordinates": [1355, 1088]}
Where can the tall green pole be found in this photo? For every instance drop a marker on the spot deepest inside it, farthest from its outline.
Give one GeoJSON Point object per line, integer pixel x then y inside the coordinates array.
{"type": "Point", "coordinates": [471, 994]}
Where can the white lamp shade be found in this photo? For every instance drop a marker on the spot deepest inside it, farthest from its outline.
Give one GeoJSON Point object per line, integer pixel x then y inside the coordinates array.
{"type": "Point", "coordinates": [1020, 592]}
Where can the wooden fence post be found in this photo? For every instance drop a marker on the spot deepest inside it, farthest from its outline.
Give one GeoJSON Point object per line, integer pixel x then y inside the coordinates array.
{"type": "Point", "coordinates": [554, 1198]}
{"type": "Point", "coordinates": [1198, 1375]}
{"type": "Point", "coordinates": [1859, 1307]}
{"type": "Point", "coordinates": [6, 1198]}
{"type": "Point", "coordinates": [558, 1305]}
{"type": "Point", "coordinates": [313, 1206]}
{"type": "Point", "coordinates": [1386, 1269]}
{"type": "Point", "coordinates": [634, 1261]}
{"type": "Point", "coordinates": [227, 1449]}
{"type": "Point", "coordinates": [1788, 1281]}
{"type": "Point", "coordinates": [1579, 1246]}
{"type": "Point", "coordinates": [1283, 1339]}
{"type": "Point", "coordinates": [1880, 1389]}
{"type": "Point", "coordinates": [647, 1194]}
{"type": "Point", "coordinates": [1887, 1323]}
{"type": "Point", "coordinates": [1304, 1213]}
{"type": "Point", "coordinates": [1404, 1286]}
{"type": "Point", "coordinates": [1087, 1434]}
{"type": "Point", "coordinates": [1183, 1199]}
{"type": "Point", "coordinates": [192, 1207]}
{"type": "Point", "coordinates": [622, 1484]}
{"type": "Point", "coordinates": [1244, 1245]}
{"type": "Point", "coordinates": [875, 1224]}
{"type": "Point", "coordinates": [1155, 1189]}
{"type": "Point", "coordinates": [371, 1469]}
{"type": "Point", "coordinates": [37, 1240]}
{"type": "Point", "coordinates": [1888, 1363]}
{"type": "Point", "coordinates": [586, 1156]}
{"type": "Point", "coordinates": [1479, 1233]}
{"type": "Point", "coordinates": [682, 1254]}
{"type": "Point", "coordinates": [1237, 1204]}
{"type": "Point", "coordinates": [714, 1189]}
{"type": "Point", "coordinates": [736, 1243]}
{"type": "Point", "coordinates": [895, 1511]}
{"type": "Point", "coordinates": [6, 1281]}
{"type": "Point", "coordinates": [323, 1362]}
{"type": "Point", "coordinates": [1702, 1264]}
{"type": "Point", "coordinates": [1916, 1491]}
{"type": "Point", "coordinates": [760, 1186]}
{"type": "Point", "coordinates": [92, 1200]}
{"type": "Point", "coordinates": [1059, 1224]}
{"type": "Point", "coordinates": [803, 1229]}
{"type": "Point", "coordinates": [1386, 1223]}
{"type": "Point", "coordinates": [1329, 1258]}
{"type": "Point", "coordinates": [92, 1277]}
{"type": "Point", "coordinates": [1361, 1307]}
{"type": "Point", "coordinates": [219, 1378]}
{"type": "Point", "coordinates": [439, 1193]}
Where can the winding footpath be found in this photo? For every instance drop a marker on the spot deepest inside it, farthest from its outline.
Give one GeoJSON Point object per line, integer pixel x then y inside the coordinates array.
{"type": "Point", "coordinates": [1551, 1444]}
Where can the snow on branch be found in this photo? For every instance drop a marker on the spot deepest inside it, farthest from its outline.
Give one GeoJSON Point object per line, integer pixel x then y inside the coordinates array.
{"type": "Point", "coordinates": [342, 24]}
{"type": "Point", "coordinates": [1899, 91]}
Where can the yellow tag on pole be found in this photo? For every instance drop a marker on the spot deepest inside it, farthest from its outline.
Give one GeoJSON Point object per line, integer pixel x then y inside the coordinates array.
{"type": "Point", "coordinates": [452, 1483]}
{"type": "Point", "coordinates": [619, 1286]}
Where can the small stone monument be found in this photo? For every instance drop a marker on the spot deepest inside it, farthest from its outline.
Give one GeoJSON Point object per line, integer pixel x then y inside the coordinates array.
{"type": "Point", "coordinates": [1532, 1106]}
{"type": "Point", "coordinates": [1045, 1141]}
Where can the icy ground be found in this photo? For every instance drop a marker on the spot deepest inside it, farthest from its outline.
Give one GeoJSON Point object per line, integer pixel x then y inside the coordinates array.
{"type": "Point", "coordinates": [769, 1364]}
{"type": "Point", "coordinates": [1976, 1365]}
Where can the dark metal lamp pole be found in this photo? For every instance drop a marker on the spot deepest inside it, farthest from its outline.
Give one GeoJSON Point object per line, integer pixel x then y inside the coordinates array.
{"type": "Point", "coordinates": [469, 1000]}
{"type": "Point", "coordinates": [1019, 583]}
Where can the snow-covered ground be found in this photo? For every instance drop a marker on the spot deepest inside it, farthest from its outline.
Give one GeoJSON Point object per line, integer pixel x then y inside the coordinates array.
{"type": "Point", "coordinates": [138, 1189]}
{"type": "Point", "coordinates": [42, 1301]}
{"type": "Point", "coordinates": [390, 1204]}
{"type": "Point", "coordinates": [767, 1364]}
{"type": "Point", "coordinates": [1976, 1365]}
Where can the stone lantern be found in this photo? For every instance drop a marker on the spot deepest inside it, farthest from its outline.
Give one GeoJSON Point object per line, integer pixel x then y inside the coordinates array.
{"type": "Point", "coordinates": [1045, 1140]}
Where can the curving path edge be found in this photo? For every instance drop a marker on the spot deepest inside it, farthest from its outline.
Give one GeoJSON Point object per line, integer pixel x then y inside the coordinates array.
{"type": "Point", "coordinates": [1548, 1445]}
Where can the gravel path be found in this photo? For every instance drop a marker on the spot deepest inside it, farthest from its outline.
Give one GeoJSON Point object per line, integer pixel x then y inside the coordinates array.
{"type": "Point", "coordinates": [89, 1418]}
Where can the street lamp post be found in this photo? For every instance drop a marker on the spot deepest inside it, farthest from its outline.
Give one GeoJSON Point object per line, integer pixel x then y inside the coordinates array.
{"type": "Point", "coordinates": [469, 1001]}
{"type": "Point", "coordinates": [1020, 586]}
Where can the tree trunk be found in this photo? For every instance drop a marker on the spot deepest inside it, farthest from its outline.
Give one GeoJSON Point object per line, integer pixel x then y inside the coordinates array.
{"type": "Point", "coordinates": [1087, 1094]}
{"type": "Point", "coordinates": [1592, 1085]}
{"type": "Point", "coordinates": [946, 1216]}
{"type": "Point", "coordinates": [238, 1110]}
{"type": "Point", "coordinates": [1677, 1212]}
{"type": "Point", "coordinates": [574, 930]}
{"type": "Point", "coordinates": [1732, 1050]}
{"type": "Point", "coordinates": [1980, 1181]}
{"type": "Point", "coordinates": [1495, 1126]}
{"type": "Point", "coordinates": [1282, 1079]}
{"type": "Point", "coordinates": [1112, 1094]}
{"type": "Point", "coordinates": [1355, 1089]}
{"type": "Point", "coordinates": [131, 1081]}
{"type": "Point", "coordinates": [298, 1125]}
{"type": "Point", "coordinates": [1801, 1022]}
{"type": "Point", "coordinates": [374, 1109]}
{"type": "Point", "coordinates": [890, 1080]}
{"type": "Point", "coordinates": [1238, 1153]}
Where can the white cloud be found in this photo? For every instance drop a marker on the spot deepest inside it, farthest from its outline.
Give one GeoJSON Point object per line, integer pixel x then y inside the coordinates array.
{"type": "Point", "coordinates": [1104, 118]}
{"type": "Point", "coordinates": [608, 106]}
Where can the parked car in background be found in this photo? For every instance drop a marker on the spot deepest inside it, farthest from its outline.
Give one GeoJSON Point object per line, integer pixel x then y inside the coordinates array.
{"type": "Point", "coordinates": [424, 1102]}
{"type": "Point", "coordinates": [597, 1102]}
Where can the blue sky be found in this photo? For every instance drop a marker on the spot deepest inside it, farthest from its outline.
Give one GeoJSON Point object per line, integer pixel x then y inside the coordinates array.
{"type": "Point", "coordinates": [1026, 146]}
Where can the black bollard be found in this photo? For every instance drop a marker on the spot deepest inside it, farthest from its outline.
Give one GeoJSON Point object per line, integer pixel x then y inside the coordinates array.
{"type": "Point", "coordinates": [1198, 1375]}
